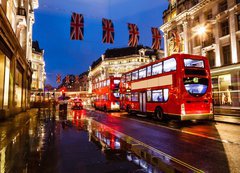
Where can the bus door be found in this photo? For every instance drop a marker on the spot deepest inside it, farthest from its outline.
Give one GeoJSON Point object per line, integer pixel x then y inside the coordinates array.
{"type": "Point", "coordinates": [142, 102]}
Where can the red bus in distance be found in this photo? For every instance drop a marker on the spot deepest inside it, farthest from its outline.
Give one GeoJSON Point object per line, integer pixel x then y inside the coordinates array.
{"type": "Point", "coordinates": [178, 86]}
{"type": "Point", "coordinates": [107, 94]}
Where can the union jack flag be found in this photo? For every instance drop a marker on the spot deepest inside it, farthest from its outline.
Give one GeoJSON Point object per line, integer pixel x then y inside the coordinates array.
{"type": "Point", "coordinates": [108, 31]}
{"type": "Point", "coordinates": [76, 79]}
{"type": "Point", "coordinates": [133, 35]}
{"type": "Point", "coordinates": [77, 24]}
{"type": "Point", "coordinates": [156, 38]}
{"type": "Point", "coordinates": [67, 80]}
{"type": "Point", "coordinates": [58, 78]}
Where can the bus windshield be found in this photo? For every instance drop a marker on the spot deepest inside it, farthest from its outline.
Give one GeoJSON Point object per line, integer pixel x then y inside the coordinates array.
{"type": "Point", "coordinates": [193, 63]}
{"type": "Point", "coordinates": [196, 86]}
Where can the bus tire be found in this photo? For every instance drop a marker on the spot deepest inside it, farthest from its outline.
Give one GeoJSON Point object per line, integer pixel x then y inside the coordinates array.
{"type": "Point", "coordinates": [128, 109]}
{"type": "Point", "coordinates": [159, 114]}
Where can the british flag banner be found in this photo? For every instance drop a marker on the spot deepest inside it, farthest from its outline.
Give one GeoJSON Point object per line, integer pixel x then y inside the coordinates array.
{"type": "Point", "coordinates": [156, 38]}
{"type": "Point", "coordinates": [67, 80]}
{"type": "Point", "coordinates": [77, 26]}
{"type": "Point", "coordinates": [58, 78]}
{"type": "Point", "coordinates": [133, 35]}
{"type": "Point", "coordinates": [76, 79]}
{"type": "Point", "coordinates": [108, 31]}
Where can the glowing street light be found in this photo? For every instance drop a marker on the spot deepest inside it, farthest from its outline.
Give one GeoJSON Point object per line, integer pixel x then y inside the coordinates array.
{"type": "Point", "coordinates": [201, 30]}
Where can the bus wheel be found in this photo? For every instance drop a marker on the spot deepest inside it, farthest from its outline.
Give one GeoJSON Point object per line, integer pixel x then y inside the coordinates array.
{"type": "Point", "coordinates": [159, 114]}
{"type": "Point", "coordinates": [128, 109]}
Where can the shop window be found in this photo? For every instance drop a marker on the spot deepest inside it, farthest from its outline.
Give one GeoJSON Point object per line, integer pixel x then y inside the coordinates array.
{"type": "Point", "coordinates": [225, 86]}
{"type": "Point", "coordinates": [18, 88]}
{"type": "Point", "coordinates": [6, 82]}
{"type": "Point", "coordinates": [226, 50]}
{"type": "Point", "coordinates": [225, 27]}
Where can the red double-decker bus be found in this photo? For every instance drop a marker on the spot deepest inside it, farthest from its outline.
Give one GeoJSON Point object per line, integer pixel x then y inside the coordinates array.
{"type": "Point", "coordinates": [107, 94]}
{"type": "Point", "coordinates": [178, 86]}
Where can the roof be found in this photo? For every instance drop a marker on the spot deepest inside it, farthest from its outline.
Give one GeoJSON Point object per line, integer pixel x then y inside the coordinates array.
{"type": "Point", "coordinates": [35, 47]}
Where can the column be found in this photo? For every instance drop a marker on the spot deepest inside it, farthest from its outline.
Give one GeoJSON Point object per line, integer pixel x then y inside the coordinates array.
{"type": "Point", "coordinates": [217, 48]}
{"type": "Point", "coordinates": [185, 37]}
{"type": "Point", "coordinates": [232, 24]}
{"type": "Point", "coordinates": [165, 45]}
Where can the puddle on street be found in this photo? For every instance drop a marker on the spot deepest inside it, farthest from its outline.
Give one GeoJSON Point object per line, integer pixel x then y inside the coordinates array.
{"type": "Point", "coordinates": [69, 143]}
{"type": "Point", "coordinates": [74, 142]}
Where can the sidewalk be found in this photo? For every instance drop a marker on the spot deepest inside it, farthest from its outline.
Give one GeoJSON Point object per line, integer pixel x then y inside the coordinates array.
{"type": "Point", "coordinates": [227, 115]}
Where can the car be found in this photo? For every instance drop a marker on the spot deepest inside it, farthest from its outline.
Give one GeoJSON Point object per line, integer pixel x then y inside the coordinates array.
{"type": "Point", "coordinates": [77, 104]}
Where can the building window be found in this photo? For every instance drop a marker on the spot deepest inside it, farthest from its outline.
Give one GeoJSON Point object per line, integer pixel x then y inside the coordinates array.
{"type": "Point", "coordinates": [225, 28]}
{"type": "Point", "coordinates": [223, 6]}
{"type": "Point", "coordinates": [238, 20]}
{"type": "Point", "coordinates": [211, 58]}
{"type": "Point", "coordinates": [226, 50]}
{"type": "Point", "coordinates": [208, 15]}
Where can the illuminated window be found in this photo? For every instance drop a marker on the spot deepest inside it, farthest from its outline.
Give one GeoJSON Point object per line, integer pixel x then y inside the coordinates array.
{"type": "Point", "coordinates": [149, 70]}
{"type": "Point", "coordinates": [18, 88]}
{"type": "Point", "coordinates": [149, 96]}
{"type": "Point", "coordinates": [225, 27]}
{"type": "Point", "coordinates": [157, 68]}
{"type": "Point", "coordinates": [142, 73]}
{"type": "Point", "coordinates": [128, 77]}
{"type": "Point", "coordinates": [135, 96]}
{"type": "Point", "coordinates": [6, 82]}
{"type": "Point", "coordinates": [169, 65]}
{"type": "Point", "coordinates": [157, 96]}
{"type": "Point", "coordinates": [226, 50]}
{"type": "Point", "coordinates": [135, 75]}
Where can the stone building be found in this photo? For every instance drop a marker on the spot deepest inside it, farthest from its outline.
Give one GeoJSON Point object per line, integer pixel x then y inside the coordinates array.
{"type": "Point", "coordinates": [17, 18]}
{"type": "Point", "coordinates": [210, 28]}
{"type": "Point", "coordinates": [116, 61]}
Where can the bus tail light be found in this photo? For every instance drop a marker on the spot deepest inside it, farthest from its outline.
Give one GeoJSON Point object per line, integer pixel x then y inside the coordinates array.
{"type": "Point", "coordinates": [183, 109]}
{"type": "Point", "coordinates": [211, 108]}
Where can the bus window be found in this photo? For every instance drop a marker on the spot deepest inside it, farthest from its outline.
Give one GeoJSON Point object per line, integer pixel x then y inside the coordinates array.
{"type": "Point", "coordinates": [157, 95]}
{"type": "Point", "coordinates": [149, 96]}
{"type": "Point", "coordinates": [149, 70]}
{"type": "Point", "coordinates": [169, 65]}
{"type": "Point", "coordinates": [193, 63]}
{"type": "Point", "coordinates": [128, 77]}
{"type": "Point", "coordinates": [196, 86]}
{"type": "Point", "coordinates": [142, 73]}
{"type": "Point", "coordinates": [135, 96]}
{"type": "Point", "coordinates": [135, 75]}
{"type": "Point", "coordinates": [165, 94]}
{"type": "Point", "coordinates": [108, 82]}
{"type": "Point", "coordinates": [128, 97]}
{"type": "Point", "coordinates": [157, 68]}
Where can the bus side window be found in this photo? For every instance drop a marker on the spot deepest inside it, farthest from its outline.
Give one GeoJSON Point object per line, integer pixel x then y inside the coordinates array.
{"type": "Point", "coordinates": [149, 96]}
{"type": "Point", "coordinates": [169, 65]}
{"type": "Point", "coordinates": [149, 70]}
{"type": "Point", "coordinates": [157, 68]}
{"type": "Point", "coordinates": [165, 94]}
{"type": "Point", "coordinates": [135, 96]}
{"type": "Point", "coordinates": [157, 95]}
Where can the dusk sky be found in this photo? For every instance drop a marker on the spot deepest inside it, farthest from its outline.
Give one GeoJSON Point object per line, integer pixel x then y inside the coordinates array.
{"type": "Point", "coordinates": [64, 56]}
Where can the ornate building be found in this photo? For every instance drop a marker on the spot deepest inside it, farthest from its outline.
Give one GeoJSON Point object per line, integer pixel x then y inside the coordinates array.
{"type": "Point", "coordinates": [210, 28]}
{"type": "Point", "coordinates": [116, 61]}
{"type": "Point", "coordinates": [16, 22]}
{"type": "Point", "coordinates": [38, 67]}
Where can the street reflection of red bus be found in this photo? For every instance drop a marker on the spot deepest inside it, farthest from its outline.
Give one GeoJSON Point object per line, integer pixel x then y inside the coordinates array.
{"type": "Point", "coordinates": [107, 94]}
{"type": "Point", "coordinates": [178, 86]}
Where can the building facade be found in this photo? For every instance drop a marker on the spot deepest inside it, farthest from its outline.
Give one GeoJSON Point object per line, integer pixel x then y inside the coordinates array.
{"type": "Point", "coordinates": [38, 67]}
{"type": "Point", "coordinates": [115, 62]}
{"type": "Point", "coordinates": [210, 28]}
{"type": "Point", "coordinates": [16, 22]}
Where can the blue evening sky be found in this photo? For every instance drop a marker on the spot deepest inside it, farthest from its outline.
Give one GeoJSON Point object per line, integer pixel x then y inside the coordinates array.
{"type": "Point", "coordinates": [64, 56]}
